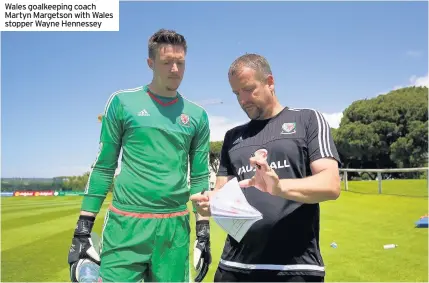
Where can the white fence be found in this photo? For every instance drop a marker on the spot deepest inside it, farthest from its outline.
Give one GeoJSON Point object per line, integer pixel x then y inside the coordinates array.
{"type": "Point", "coordinates": [379, 172]}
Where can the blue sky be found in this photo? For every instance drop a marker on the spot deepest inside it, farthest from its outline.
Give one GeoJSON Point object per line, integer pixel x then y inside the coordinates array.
{"type": "Point", "coordinates": [324, 55]}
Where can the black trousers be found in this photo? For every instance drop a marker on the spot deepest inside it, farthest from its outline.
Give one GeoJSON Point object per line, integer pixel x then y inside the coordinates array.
{"type": "Point", "coordinates": [223, 275]}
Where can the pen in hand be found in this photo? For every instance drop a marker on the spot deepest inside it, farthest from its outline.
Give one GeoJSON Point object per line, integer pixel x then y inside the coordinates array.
{"type": "Point", "coordinates": [257, 165]}
{"type": "Point", "coordinates": [262, 151]}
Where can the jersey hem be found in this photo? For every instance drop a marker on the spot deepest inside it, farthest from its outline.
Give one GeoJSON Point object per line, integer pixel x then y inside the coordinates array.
{"type": "Point", "coordinates": [147, 215]}
{"type": "Point", "coordinates": [276, 272]}
{"type": "Point", "coordinates": [321, 272]}
{"type": "Point", "coordinates": [139, 209]}
{"type": "Point", "coordinates": [224, 174]}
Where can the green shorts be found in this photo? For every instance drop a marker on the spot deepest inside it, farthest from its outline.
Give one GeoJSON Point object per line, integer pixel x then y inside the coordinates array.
{"type": "Point", "coordinates": [145, 247]}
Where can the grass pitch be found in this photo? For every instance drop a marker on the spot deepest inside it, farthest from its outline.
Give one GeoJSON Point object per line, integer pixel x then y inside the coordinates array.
{"type": "Point", "coordinates": [36, 235]}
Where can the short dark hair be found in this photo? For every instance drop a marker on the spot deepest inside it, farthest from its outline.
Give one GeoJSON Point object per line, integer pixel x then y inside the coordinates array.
{"type": "Point", "coordinates": [253, 61]}
{"type": "Point", "coordinates": [164, 36]}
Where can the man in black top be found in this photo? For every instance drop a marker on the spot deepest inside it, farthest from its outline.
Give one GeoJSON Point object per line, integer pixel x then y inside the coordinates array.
{"type": "Point", "coordinates": [299, 171]}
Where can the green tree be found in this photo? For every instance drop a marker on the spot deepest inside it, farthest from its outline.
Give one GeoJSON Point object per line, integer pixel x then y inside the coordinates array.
{"type": "Point", "coordinates": [388, 131]}
{"type": "Point", "coordinates": [411, 150]}
{"type": "Point", "coordinates": [76, 183]}
{"type": "Point", "coordinates": [215, 149]}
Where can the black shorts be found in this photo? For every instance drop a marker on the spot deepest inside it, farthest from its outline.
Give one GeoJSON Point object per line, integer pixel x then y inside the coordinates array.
{"type": "Point", "coordinates": [223, 275]}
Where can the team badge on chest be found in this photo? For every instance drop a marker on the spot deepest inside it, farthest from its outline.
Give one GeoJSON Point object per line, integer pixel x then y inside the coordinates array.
{"type": "Point", "coordinates": [288, 128]}
{"type": "Point", "coordinates": [184, 119]}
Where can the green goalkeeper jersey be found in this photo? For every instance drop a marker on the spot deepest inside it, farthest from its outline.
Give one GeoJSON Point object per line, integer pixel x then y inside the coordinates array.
{"type": "Point", "coordinates": [158, 139]}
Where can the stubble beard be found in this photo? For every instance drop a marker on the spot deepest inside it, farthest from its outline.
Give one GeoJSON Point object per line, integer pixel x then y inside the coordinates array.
{"type": "Point", "coordinates": [172, 88]}
{"type": "Point", "coordinates": [255, 114]}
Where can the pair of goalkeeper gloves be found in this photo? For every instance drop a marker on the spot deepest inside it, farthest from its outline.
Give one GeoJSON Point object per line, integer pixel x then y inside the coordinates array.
{"type": "Point", "coordinates": [82, 248]}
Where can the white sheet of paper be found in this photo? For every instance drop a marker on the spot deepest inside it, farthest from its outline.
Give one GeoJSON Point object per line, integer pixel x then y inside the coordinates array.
{"type": "Point", "coordinates": [231, 211]}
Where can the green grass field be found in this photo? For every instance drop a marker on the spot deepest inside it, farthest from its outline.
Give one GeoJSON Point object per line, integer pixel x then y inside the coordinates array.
{"type": "Point", "coordinates": [36, 234]}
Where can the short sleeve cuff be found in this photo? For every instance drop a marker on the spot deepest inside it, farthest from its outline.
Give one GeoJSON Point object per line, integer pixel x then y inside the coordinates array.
{"type": "Point", "coordinates": [317, 157]}
{"type": "Point", "coordinates": [223, 174]}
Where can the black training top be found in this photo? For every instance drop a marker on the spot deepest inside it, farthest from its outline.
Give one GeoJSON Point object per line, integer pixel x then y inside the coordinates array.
{"type": "Point", "coordinates": [287, 238]}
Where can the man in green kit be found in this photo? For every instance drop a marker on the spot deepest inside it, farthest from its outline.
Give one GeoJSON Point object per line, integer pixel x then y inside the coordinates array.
{"type": "Point", "coordinates": [146, 229]}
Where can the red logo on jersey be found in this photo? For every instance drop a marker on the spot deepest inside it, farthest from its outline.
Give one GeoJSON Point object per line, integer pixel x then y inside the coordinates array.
{"type": "Point", "coordinates": [184, 118]}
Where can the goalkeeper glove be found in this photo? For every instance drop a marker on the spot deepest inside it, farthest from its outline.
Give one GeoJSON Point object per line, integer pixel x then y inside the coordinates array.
{"type": "Point", "coordinates": [202, 253]}
{"type": "Point", "coordinates": [82, 246]}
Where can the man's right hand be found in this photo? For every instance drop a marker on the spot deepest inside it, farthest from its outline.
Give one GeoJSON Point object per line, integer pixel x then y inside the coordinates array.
{"type": "Point", "coordinates": [82, 246]}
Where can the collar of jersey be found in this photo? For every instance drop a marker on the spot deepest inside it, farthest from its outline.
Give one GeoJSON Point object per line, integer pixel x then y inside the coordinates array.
{"type": "Point", "coordinates": [157, 98]}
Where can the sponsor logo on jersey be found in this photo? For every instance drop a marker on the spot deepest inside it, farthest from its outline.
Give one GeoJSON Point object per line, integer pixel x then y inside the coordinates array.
{"type": "Point", "coordinates": [288, 128]}
{"type": "Point", "coordinates": [280, 164]}
{"type": "Point", "coordinates": [143, 113]}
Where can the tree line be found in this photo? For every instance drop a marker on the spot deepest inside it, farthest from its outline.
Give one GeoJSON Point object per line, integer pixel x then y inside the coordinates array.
{"type": "Point", "coordinates": [61, 183]}
{"type": "Point", "coordinates": [388, 131]}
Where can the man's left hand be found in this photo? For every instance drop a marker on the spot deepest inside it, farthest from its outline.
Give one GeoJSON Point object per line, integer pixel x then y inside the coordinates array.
{"type": "Point", "coordinates": [265, 178]}
{"type": "Point", "coordinates": [202, 252]}
{"type": "Point", "coordinates": [202, 203]}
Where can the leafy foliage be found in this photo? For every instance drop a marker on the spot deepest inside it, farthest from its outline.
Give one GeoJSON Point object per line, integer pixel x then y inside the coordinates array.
{"type": "Point", "coordinates": [389, 131]}
{"type": "Point", "coordinates": [32, 184]}
{"type": "Point", "coordinates": [76, 183]}
{"type": "Point", "coordinates": [215, 150]}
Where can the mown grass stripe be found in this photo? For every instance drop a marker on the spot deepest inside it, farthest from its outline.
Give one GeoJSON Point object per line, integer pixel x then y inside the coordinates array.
{"type": "Point", "coordinates": [36, 204]}
{"type": "Point", "coordinates": [24, 235]}
{"type": "Point", "coordinates": [62, 275]}
{"type": "Point", "coordinates": [17, 211]}
{"type": "Point", "coordinates": [6, 201]}
{"type": "Point", "coordinates": [38, 218]}
{"type": "Point", "coordinates": [361, 224]}
{"type": "Point", "coordinates": [41, 252]}
{"type": "Point", "coordinates": [37, 207]}
{"type": "Point", "coordinates": [28, 212]}
{"type": "Point", "coordinates": [43, 256]}
{"type": "Point", "coordinates": [41, 204]}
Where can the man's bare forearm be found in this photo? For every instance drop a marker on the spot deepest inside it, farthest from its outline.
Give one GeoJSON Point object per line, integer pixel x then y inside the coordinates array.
{"type": "Point", "coordinates": [314, 189]}
{"type": "Point", "coordinates": [221, 181]}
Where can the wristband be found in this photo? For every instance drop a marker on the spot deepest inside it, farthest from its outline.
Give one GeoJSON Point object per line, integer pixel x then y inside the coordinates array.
{"type": "Point", "coordinates": [87, 217]}
{"type": "Point", "coordinates": [84, 226]}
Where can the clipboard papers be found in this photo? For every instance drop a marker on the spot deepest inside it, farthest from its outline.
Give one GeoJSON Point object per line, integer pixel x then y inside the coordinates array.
{"type": "Point", "coordinates": [231, 211]}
